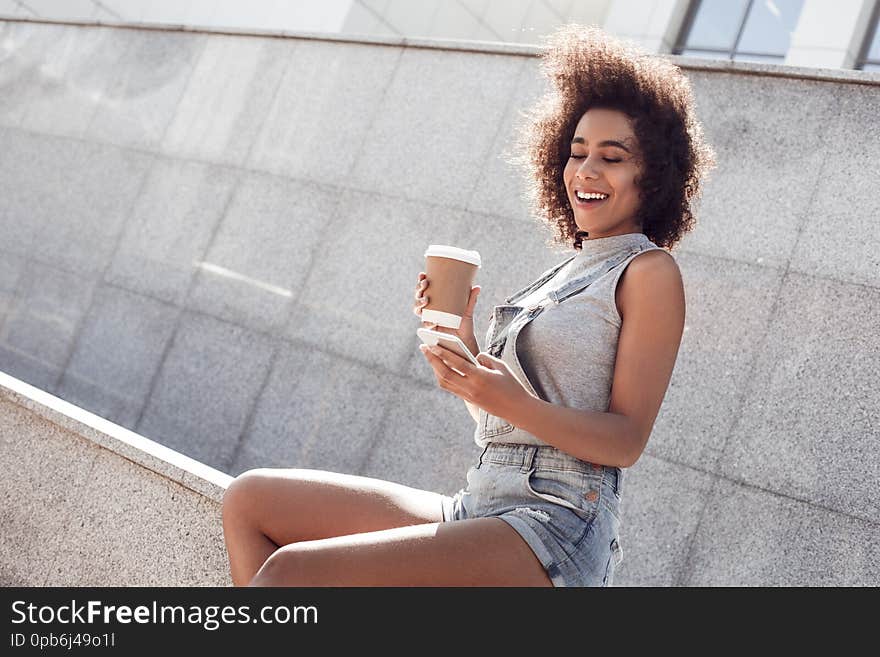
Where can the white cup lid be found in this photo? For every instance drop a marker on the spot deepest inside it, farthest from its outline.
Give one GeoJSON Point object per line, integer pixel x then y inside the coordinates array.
{"type": "Point", "coordinates": [446, 251]}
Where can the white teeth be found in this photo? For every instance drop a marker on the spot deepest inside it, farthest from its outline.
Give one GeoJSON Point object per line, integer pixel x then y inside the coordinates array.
{"type": "Point", "coordinates": [596, 195]}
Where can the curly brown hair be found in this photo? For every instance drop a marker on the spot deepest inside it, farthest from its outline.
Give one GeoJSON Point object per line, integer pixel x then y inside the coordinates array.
{"type": "Point", "coordinates": [589, 68]}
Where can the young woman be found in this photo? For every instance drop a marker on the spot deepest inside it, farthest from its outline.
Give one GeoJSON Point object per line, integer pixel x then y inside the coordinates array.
{"type": "Point", "coordinates": [575, 368]}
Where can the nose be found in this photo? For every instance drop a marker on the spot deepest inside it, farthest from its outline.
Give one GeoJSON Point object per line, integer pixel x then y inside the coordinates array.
{"type": "Point", "coordinates": [585, 170]}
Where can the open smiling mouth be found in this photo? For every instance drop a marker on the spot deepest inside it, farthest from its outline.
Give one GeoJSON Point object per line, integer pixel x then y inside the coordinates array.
{"type": "Point", "coordinates": [592, 202]}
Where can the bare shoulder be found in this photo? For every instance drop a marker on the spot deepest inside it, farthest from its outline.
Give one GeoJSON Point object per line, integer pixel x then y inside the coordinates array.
{"type": "Point", "coordinates": [653, 275]}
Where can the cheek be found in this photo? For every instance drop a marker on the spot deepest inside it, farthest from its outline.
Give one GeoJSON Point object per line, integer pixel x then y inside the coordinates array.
{"type": "Point", "coordinates": [626, 187]}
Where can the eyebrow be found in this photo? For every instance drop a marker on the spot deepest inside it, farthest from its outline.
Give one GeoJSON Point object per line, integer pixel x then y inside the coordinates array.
{"type": "Point", "coordinates": [607, 142]}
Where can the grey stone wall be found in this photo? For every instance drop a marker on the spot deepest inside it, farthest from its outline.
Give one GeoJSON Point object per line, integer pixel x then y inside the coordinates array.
{"type": "Point", "coordinates": [213, 241]}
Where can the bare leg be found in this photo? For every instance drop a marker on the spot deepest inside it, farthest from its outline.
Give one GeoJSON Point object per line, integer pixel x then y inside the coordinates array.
{"type": "Point", "coordinates": [268, 508]}
{"type": "Point", "coordinates": [472, 552]}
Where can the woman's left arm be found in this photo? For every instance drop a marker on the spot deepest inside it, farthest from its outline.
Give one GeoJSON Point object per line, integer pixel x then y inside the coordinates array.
{"type": "Point", "coordinates": [650, 296]}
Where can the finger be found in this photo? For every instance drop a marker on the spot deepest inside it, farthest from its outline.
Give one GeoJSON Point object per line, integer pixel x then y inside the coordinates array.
{"type": "Point", "coordinates": [417, 309]}
{"type": "Point", "coordinates": [446, 375]}
{"type": "Point", "coordinates": [440, 368]}
{"type": "Point", "coordinates": [452, 359]}
{"type": "Point", "coordinates": [432, 356]}
{"type": "Point", "coordinates": [420, 303]}
{"type": "Point", "coordinates": [472, 301]}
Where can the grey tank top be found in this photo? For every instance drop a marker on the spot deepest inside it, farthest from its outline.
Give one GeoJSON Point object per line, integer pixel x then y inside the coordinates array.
{"type": "Point", "coordinates": [568, 350]}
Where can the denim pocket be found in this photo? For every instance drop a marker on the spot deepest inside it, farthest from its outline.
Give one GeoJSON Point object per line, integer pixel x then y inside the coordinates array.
{"type": "Point", "coordinates": [495, 426]}
{"type": "Point", "coordinates": [611, 500]}
{"type": "Point", "coordinates": [574, 490]}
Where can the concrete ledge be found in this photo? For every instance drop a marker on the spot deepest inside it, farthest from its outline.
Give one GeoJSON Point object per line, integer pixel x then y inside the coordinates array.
{"type": "Point", "coordinates": [162, 460]}
{"type": "Point", "coordinates": [493, 47]}
{"type": "Point", "coordinates": [85, 502]}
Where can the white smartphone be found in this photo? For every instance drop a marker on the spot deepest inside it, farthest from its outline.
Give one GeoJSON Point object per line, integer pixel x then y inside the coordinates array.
{"type": "Point", "coordinates": [448, 340]}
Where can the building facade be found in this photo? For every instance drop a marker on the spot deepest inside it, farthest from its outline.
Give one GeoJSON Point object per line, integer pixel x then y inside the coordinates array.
{"type": "Point", "coordinates": [832, 34]}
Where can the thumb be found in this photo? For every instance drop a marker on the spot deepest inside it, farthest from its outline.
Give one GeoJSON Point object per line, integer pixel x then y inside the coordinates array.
{"type": "Point", "coordinates": [472, 301]}
{"type": "Point", "coordinates": [485, 359]}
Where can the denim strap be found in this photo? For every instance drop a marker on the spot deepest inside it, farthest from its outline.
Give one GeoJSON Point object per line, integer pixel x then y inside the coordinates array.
{"type": "Point", "coordinates": [534, 285]}
{"type": "Point", "coordinates": [556, 297]}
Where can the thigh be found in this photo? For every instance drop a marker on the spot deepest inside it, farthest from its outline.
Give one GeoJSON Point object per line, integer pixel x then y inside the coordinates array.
{"type": "Point", "coordinates": [294, 504]}
{"type": "Point", "coordinates": [471, 552]}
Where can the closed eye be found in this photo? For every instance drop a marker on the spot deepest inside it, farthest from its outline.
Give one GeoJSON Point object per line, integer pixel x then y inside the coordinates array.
{"type": "Point", "coordinates": [580, 157]}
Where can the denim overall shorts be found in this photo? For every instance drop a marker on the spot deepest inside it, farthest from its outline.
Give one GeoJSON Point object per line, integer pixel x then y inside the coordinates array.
{"type": "Point", "coordinates": [567, 510]}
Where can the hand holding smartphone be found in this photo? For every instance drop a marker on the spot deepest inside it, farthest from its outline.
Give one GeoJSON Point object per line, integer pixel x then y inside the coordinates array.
{"type": "Point", "coordinates": [447, 340]}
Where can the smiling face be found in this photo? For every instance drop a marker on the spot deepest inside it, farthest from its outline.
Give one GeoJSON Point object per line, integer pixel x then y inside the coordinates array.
{"type": "Point", "coordinates": [604, 159]}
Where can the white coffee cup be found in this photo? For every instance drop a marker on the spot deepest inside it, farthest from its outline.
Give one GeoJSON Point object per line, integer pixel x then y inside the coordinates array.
{"type": "Point", "coordinates": [450, 271]}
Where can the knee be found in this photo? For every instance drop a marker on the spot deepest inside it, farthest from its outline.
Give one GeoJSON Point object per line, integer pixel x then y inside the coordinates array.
{"type": "Point", "coordinates": [242, 493]}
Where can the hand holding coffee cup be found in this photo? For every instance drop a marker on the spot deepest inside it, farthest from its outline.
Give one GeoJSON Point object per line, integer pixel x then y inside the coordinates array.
{"type": "Point", "coordinates": [450, 306]}
{"type": "Point", "coordinates": [465, 330]}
